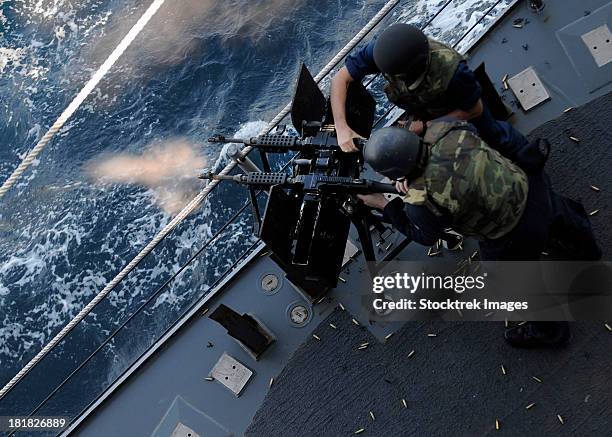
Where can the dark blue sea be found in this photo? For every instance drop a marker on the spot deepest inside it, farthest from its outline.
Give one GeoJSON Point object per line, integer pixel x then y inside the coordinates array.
{"type": "Point", "coordinates": [199, 67]}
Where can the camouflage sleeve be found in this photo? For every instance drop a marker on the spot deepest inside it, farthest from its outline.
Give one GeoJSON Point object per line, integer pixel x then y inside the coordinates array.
{"type": "Point", "coordinates": [415, 221]}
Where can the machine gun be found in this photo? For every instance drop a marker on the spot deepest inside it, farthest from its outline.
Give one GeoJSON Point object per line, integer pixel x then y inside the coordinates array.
{"type": "Point", "coordinates": [308, 213]}
{"type": "Point", "coordinates": [312, 183]}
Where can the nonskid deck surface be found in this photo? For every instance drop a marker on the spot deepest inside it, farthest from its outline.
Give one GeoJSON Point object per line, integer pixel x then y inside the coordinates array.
{"type": "Point", "coordinates": [578, 169]}
{"type": "Point", "coordinates": [454, 381]}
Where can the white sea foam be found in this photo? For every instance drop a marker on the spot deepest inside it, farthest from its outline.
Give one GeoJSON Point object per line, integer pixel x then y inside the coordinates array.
{"type": "Point", "coordinates": [10, 58]}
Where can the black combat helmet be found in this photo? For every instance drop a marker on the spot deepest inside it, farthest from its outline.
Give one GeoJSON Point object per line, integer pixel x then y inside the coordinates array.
{"type": "Point", "coordinates": [395, 152]}
{"type": "Point", "coordinates": [402, 49]}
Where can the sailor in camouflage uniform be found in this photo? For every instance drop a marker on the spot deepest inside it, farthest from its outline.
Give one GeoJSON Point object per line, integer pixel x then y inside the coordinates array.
{"type": "Point", "coordinates": [427, 79]}
{"type": "Point", "coordinates": [452, 179]}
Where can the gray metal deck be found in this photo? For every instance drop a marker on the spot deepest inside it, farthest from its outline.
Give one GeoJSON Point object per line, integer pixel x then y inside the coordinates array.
{"type": "Point", "coordinates": [452, 378]}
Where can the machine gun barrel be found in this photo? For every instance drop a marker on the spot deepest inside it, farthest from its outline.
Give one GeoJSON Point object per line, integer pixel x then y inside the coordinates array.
{"type": "Point", "coordinates": [337, 184]}
{"type": "Point", "coordinates": [273, 143]}
{"type": "Point", "coordinates": [222, 139]}
{"type": "Point", "coordinates": [277, 143]}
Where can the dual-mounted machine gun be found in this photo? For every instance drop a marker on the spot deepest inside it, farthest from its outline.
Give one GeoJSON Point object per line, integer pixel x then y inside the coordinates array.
{"type": "Point", "coordinates": [309, 211]}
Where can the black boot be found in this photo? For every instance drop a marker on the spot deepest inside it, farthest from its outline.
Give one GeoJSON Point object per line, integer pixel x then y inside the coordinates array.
{"type": "Point", "coordinates": [538, 334]}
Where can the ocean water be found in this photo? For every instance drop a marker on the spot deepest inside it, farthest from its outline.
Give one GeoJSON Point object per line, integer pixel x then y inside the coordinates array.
{"type": "Point", "coordinates": [199, 67]}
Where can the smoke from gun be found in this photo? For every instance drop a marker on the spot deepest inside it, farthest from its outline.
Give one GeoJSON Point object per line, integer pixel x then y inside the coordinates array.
{"type": "Point", "coordinates": [168, 169]}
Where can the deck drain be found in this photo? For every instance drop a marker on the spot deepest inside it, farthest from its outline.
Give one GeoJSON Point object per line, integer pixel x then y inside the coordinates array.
{"type": "Point", "coordinates": [299, 314]}
{"type": "Point", "coordinates": [270, 283]}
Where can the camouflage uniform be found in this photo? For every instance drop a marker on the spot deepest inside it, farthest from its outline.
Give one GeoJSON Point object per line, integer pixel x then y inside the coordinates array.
{"type": "Point", "coordinates": [447, 85]}
{"type": "Point", "coordinates": [470, 187]}
{"type": "Point", "coordinates": [484, 193]}
{"type": "Point", "coordinates": [427, 100]}
{"type": "Point", "coordinates": [516, 215]}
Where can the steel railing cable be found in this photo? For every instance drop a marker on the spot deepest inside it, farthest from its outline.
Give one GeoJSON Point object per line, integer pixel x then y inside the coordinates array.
{"type": "Point", "coordinates": [477, 22]}
{"type": "Point", "coordinates": [188, 209]}
{"type": "Point", "coordinates": [82, 95]}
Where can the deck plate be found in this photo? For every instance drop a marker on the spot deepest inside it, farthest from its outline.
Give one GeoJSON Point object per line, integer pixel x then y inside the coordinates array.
{"type": "Point", "coordinates": [599, 43]}
{"type": "Point", "coordinates": [528, 88]}
{"type": "Point", "coordinates": [231, 373]}
{"type": "Point", "coordinates": [183, 431]}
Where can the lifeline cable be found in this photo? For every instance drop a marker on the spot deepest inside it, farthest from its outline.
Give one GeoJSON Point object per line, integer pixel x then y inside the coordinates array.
{"type": "Point", "coordinates": [82, 95]}
{"type": "Point", "coordinates": [195, 202]}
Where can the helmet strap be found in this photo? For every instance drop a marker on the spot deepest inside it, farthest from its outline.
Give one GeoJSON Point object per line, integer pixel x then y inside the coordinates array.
{"type": "Point", "coordinates": [421, 160]}
{"type": "Point", "coordinates": [414, 85]}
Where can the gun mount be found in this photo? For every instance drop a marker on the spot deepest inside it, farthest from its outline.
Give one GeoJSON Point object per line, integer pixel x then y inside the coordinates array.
{"type": "Point", "coordinates": [308, 212]}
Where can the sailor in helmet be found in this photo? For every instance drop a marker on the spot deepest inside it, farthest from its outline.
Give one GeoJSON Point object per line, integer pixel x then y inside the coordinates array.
{"type": "Point", "coordinates": [425, 78]}
{"type": "Point", "coordinates": [452, 179]}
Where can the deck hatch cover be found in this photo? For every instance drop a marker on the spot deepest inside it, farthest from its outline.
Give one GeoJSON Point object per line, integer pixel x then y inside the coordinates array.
{"type": "Point", "coordinates": [231, 373]}
{"type": "Point", "coordinates": [528, 88]}
{"type": "Point", "coordinates": [599, 43]}
{"type": "Point", "coordinates": [183, 431]}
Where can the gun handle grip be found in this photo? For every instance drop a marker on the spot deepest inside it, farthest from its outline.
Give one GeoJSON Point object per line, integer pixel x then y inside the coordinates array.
{"type": "Point", "coordinates": [359, 143]}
